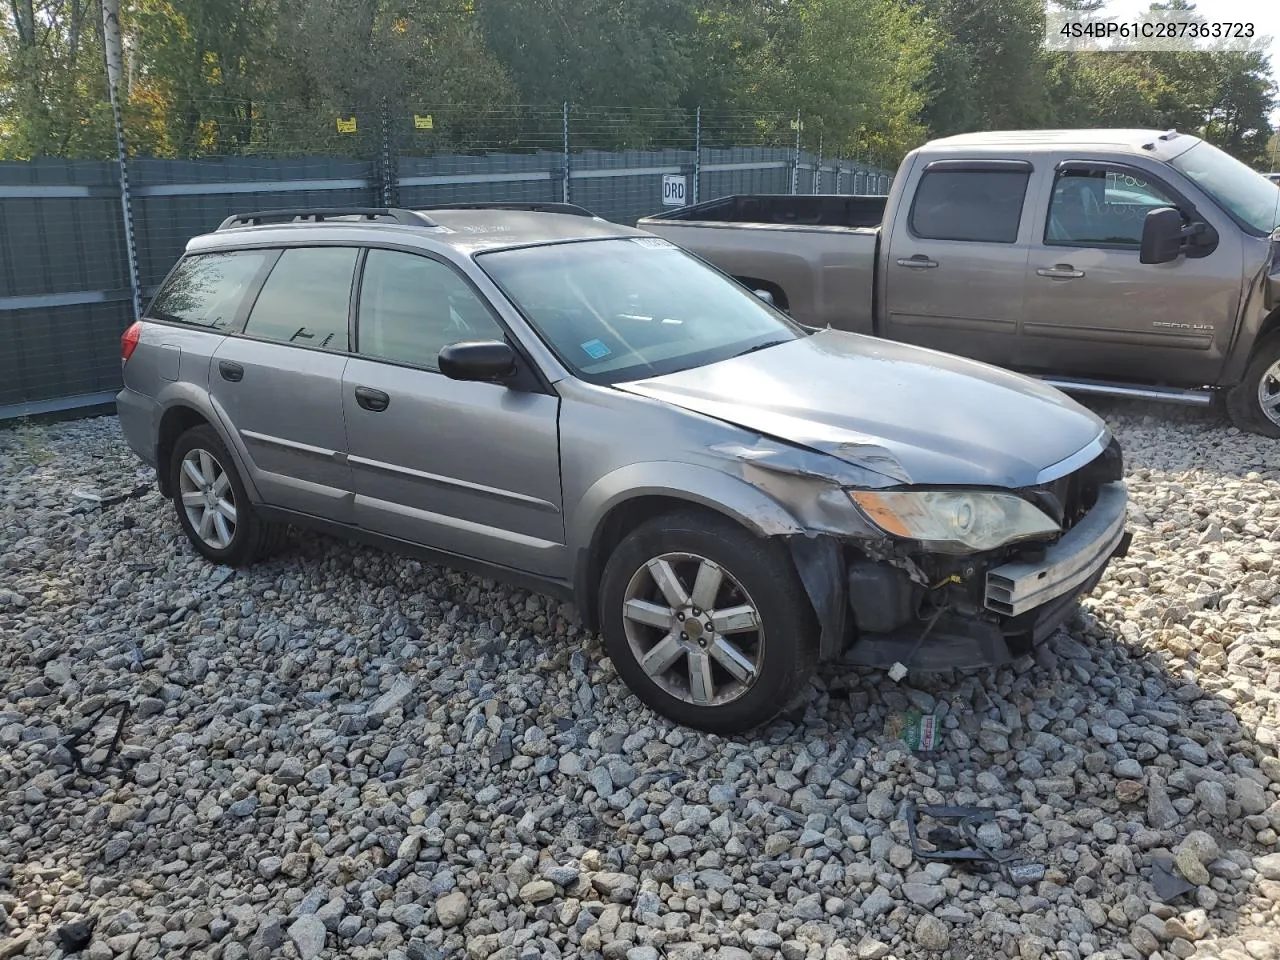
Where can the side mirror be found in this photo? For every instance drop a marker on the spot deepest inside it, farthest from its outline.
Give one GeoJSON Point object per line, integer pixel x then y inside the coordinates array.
{"type": "Point", "coordinates": [1162, 236]}
{"type": "Point", "coordinates": [490, 361]}
{"type": "Point", "coordinates": [765, 295]}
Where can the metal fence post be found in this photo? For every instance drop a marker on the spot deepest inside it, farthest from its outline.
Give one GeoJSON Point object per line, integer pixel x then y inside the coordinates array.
{"type": "Point", "coordinates": [114, 58]}
{"type": "Point", "coordinates": [817, 168]}
{"type": "Point", "coordinates": [795, 162]}
{"type": "Point", "coordinates": [386, 159]}
{"type": "Point", "coordinates": [565, 190]}
{"type": "Point", "coordinates": [697, 153]}
{"type": "Point", "coordinates": [839, 175]}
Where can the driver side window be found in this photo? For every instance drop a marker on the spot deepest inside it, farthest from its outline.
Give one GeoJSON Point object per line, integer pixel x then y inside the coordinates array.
{"type": "Point", "coordinates": [412, 307]}
{"type": "Point", "coordinates": [1102, 208]}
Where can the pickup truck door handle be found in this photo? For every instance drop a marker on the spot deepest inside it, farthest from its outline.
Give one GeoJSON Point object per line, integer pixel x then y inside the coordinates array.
{"type": "Point", "coordinates": [230, 371]}
{"type": "Point", "coordinates": [373, 400]}
{"type": "Point", "coordinates": [1060, 271]}
{"type": "Point", "coordinates": [917, 262]}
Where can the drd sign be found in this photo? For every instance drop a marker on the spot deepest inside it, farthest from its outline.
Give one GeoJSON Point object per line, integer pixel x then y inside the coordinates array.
{"type": "Point", "coordinates": [673, 190]}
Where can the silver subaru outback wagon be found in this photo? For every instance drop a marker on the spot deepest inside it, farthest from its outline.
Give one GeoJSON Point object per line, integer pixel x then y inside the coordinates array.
{"type": "Point", "coordinates": [589, 411]}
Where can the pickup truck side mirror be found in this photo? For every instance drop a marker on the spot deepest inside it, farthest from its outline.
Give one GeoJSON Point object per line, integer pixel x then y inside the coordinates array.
{"type": "Point", "coordinates": [1161, 236]}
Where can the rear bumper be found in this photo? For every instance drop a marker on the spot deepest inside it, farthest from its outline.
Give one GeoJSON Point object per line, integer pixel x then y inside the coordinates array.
{"type": "Point", "coordinates": [139, 422]}
{"type": "Point", "coordinates": [1025, 601]}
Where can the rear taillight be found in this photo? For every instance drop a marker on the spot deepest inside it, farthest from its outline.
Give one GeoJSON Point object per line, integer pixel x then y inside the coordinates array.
{"type": "Point", "coordinates": [129, 340]}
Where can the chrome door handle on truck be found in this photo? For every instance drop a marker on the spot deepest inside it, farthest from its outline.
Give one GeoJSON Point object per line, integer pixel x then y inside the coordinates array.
{"type": "Point", "coordinates": [1060, 271]}
{"type": "Point", "coordinates": [917, 262]}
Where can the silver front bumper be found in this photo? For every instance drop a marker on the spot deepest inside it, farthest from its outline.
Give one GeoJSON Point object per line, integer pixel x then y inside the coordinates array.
{"type": "Point", "coordinates": [1015, 588]}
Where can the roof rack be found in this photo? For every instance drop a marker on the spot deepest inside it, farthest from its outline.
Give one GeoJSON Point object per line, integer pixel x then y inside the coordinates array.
{"type": "Point", "coordinates": [571, 209]}
{"type": "Point", "coordinates": [411, 218]}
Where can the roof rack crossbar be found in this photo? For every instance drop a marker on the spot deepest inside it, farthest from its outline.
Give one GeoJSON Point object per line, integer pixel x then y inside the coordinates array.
{"type": "Point", "coordinates": [410, 218]}
{"type": "Point", "coordinates": [571, 209]}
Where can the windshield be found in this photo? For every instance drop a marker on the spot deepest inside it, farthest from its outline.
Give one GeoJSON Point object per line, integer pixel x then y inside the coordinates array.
{"type": "Point", "coordinates": [1252, 199]}
{"type": "Point", "coordinates": [634, 307]}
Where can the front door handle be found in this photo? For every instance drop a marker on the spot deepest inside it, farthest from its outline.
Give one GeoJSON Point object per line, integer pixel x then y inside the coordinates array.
{"type": "Point", "coordinates": [917, 262]}
{"type": "Point", "coordinates": [373, 400]}
{"type": "Point", "coordinates": [1060, 271]}
{"type": "Point", "coordinates": [230, 371]}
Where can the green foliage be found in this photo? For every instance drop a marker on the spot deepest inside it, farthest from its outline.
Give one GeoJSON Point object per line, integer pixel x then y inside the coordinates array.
{"type": "Point", "coordinates": [870, 78]}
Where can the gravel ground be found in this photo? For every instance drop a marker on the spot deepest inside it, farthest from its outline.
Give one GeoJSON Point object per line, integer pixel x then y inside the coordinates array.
{"type": "Point", "coordinates": [344, 753]}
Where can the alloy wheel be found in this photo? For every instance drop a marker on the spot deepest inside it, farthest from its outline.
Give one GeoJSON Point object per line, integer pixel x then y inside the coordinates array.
{"type": "Point", "coordinates": [1269, 393]}
{"type": "Point", "coordinates": [208, 498]}
{"type": "Point", "coordinates": [693, 629]}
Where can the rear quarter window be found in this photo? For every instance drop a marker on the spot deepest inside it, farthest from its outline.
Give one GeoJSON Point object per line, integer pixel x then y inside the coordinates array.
{"type": "Point", "coordinates": [975, 205]}
{"type": "Point", "coordinates": [208, 289]}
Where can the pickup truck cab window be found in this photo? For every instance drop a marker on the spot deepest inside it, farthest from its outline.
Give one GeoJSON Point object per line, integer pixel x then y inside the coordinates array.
{"type": "Point", "coordinates": [1096, 207]}
{"type": "Point", "coordinates": [412, 307]}
{"type": "Point", "coordinates": [983, 205]}
{"type": "Point", "coordinates": [306, 299]}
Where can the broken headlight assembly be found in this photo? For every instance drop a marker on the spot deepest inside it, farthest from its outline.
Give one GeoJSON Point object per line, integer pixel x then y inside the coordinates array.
{"type": "Point", "coordinates": [960, 521]}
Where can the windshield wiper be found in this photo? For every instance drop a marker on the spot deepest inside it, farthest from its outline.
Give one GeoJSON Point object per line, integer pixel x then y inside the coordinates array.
{"type": "Point", "coordinates": [759, 346]}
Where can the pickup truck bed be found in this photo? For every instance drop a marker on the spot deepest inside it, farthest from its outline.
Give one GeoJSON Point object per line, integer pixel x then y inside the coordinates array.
{"type": "Point", "coordinates": [822, 272]}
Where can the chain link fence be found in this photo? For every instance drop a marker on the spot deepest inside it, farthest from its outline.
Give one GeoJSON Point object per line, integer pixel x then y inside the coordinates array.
{"type": "Point", "coordinates": [66, 291]}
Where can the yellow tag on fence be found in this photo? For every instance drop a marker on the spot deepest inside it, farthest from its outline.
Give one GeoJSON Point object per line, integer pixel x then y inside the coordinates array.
{"type": "Point", "coordinates": [346, 124]}
{"type": "Point", "coordinates": [421, 122]}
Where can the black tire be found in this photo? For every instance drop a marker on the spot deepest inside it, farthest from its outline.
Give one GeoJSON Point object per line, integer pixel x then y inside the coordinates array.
{"type": "Point", "coordinates": [1243, 406]}
{"type": "Point", "coordinates": [252, 537]}
{"type": "Point", "coordinates": [762, 568]}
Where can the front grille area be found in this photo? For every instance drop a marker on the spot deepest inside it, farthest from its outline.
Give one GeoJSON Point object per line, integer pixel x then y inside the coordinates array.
{"type": "Point", "coordinates": [1068, 499]}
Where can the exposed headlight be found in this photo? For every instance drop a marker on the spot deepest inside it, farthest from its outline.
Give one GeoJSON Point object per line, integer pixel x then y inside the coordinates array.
{"type": "Point", "coordinates": [955, 522]}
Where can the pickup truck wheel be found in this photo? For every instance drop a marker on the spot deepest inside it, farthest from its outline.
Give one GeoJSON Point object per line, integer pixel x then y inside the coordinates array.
{"type": "Point", "coordinates": [1255, 404]}
{"type": "Point", "coordinates": [212, 505]}
{"type": "Point", "coordinates": [706, 623]}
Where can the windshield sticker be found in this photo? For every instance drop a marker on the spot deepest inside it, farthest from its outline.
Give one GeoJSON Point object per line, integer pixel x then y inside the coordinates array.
{"type": "Point", "coordinates": [655, 243]}
{"type": "Point", "coordinates": [595, 349]}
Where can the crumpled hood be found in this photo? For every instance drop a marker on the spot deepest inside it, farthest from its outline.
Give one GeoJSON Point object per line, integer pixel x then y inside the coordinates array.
{"type": "Point", "coordinates": [914, 415]}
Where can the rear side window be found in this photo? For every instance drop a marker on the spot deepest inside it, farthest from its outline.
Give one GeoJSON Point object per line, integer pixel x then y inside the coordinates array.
{"type": "Point", "coordinates": [975, 205]}
{"type": "Point", "coordinates": [207, 289]}
{"type": "Point", "coordinates": [306, 299]}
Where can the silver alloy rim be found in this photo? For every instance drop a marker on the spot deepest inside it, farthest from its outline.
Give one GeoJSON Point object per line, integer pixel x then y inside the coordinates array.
{"type": "Point", "coordinates": [1269, 393]}
{"type": "Point", "coordinates": [693, 629]}
{"type": "Point", "coordinates": [208, 498]}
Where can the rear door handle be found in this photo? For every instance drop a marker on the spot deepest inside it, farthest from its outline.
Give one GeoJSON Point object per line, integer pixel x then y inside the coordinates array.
{"type": "Point", "coordinates": [373, 400]}
{"type": "Point", "coordinates": [230, 371]}
{"type": "Point", "coordinates": [917, 262]}
{"type": "Point", "coordinates": [1060, 271]}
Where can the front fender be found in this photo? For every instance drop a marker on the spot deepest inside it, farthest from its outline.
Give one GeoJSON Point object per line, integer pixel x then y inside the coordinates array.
{"type": "Point", "coordinates": [671, 480]}
{"type": "Point", "coordinates": [692, 483]}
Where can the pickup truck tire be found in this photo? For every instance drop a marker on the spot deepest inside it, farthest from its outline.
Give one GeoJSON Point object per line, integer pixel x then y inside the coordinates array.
{"type": "Point", "coordinates": [707, 623]}
{"type": "Point", "coordinates": [1261, 378]}
{"type": "Point", "coordinates": [212, 505]}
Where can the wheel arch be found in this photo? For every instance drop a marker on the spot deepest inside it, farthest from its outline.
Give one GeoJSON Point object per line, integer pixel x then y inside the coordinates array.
{"type": "Point", "coordinates": [182, 409]}
{"type": "Point", "coordinates": [619, 502]}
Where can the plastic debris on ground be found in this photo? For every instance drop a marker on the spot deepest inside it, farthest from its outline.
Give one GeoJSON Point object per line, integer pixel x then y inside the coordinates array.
{"type": "Point", "coordinates": [921, 732]}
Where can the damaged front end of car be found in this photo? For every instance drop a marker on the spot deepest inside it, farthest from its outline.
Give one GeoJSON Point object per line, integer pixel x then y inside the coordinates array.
{"type": "Point", "coordinates": [936, 578]}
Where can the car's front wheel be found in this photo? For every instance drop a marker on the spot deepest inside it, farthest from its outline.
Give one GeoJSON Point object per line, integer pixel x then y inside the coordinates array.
{"type": "Point", "coordinates": [708, 624]}
{"type": "Point", "coordinates": [1255, 404]}
{"type": "Point", "coordinates": [212, 505]}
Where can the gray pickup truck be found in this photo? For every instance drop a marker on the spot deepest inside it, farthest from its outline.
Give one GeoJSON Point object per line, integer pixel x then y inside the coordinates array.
{"type": "Point", "coordinates": [1119, 262]}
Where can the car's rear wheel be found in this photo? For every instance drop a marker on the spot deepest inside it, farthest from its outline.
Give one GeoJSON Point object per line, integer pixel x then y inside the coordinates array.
{"type": "Point", "coordinates": [1255, 404]}
{"type": "Point", "coordinates": [708, 624]}
{"type": "Point", "coordinates": [212, 505]}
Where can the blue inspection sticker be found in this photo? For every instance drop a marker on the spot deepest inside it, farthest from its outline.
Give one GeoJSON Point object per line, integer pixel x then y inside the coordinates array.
{"type": "Point", "coordinates": [595, 349]}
